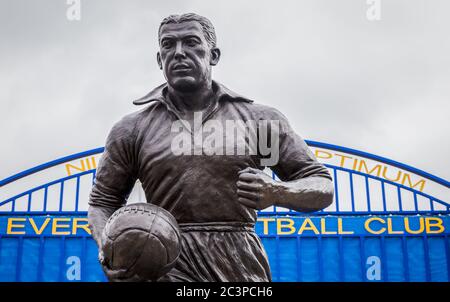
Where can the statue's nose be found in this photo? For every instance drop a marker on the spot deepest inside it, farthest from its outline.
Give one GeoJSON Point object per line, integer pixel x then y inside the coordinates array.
{"type": "Point", "coordinates": [179, 50]}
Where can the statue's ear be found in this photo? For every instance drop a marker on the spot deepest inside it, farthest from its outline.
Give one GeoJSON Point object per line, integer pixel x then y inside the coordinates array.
{"type": "Point", "coordinates": [158, 58]}
{"type": "Point", "coordinates": [215, 56]}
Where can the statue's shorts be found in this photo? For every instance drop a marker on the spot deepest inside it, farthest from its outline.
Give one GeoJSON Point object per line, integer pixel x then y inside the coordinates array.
{"type": "Point", "coordinates": [225, 252]}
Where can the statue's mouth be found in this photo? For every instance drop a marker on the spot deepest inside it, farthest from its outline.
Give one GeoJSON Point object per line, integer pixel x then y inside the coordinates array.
{"type": "Point", "coordinates": [181, 67]}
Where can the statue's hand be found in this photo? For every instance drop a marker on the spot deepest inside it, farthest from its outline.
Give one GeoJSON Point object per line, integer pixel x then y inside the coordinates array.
{"type": "Point", "coordinates": [115, 275]}
{"type": "Point", "coordinates": [256, 189]}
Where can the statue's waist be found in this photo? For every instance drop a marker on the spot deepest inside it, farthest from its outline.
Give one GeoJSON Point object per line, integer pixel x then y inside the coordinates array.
{"type": "Point", "coordinates": [231, 226]}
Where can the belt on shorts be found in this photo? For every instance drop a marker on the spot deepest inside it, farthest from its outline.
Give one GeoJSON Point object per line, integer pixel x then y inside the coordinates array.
{"type": "Point", "coordinates": [232, 226]}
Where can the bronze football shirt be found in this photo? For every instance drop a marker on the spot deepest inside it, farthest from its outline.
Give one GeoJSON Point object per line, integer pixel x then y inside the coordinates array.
{"type": "Point", "coordinates": [194, 188]}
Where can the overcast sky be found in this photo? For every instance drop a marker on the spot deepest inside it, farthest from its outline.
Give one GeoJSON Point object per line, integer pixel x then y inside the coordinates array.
{"type": "Point", "coordinates": [377, 86]}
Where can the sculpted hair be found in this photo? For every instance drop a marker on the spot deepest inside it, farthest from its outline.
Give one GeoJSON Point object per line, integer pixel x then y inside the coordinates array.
{"type": "Point", "coordinates": [208, 28]}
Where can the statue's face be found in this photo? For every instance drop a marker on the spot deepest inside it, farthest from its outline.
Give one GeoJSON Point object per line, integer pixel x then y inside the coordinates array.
{"type": "Point", "coordinates": [185, 56]}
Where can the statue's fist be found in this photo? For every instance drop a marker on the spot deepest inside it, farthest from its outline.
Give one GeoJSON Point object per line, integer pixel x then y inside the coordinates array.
{"type": "Point", "coordinates": [256, 189]}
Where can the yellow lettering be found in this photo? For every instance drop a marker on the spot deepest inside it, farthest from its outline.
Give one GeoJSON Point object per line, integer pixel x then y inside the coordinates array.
{"type": "Point", "coordinates": [266, 224]}
{"type": "Point", "coordinates": [84, 226]}
{"type": "Point", "coordinates": [38, 231]}
{"type": "Point", "coordinates": [11, 225]}
{"type": "Point", "coordinates": [341, 229]}
{"type": "Point", "coordinates": [289, 226]}
{"type": "Point", "coordinates": [362, 164]}
{"type": "Point", "coordinates": [94, 164]}
{"type": "Point", "coordinates": [437, 224]}
{"type": "Point", "coordinates": [326, 155]}
{"type": "Point", "coordinates": [355, 161]}
{"type": "Point", "coordinates": [343, 157]}
{"type": "Point", "coordinates": [420, 183]}
{"type": "Point", "coordinates": [323, 228]}
{"type": "Point", "coordinates": [408, 229]}
{"type": "Point", "coordinates": [88, 163]}
{"type": "Point", "coordinates": [389, 227]}
{"type": "Point", "coordinates": [81, 169]}
{"type": "Point", "coordinates": [308, 225]}
{"type": "Point", "coordinates": [56, 226]}
{"type": "Point", "coordinates": [370, 230]}
{"type": "Point", "coordinates": [399, 174]}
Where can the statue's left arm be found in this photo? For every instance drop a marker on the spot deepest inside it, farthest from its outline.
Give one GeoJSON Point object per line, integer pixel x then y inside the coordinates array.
{"type": "Point", "coordinates": [305, 185]}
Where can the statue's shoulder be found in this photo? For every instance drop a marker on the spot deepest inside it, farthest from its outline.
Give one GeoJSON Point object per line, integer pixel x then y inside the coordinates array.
{"type": "Point", "coordinates": [264, 112]}
{"type": "Point", "coordinates": [248, 106]}
{"type": "Point", "coordinates": [129, 123]}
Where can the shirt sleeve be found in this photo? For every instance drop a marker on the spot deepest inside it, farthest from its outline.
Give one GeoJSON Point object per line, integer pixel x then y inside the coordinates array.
{"type": "Point", "coordinates": [116, 172]}
{"type": "Point", "coordinates": [295, 158]}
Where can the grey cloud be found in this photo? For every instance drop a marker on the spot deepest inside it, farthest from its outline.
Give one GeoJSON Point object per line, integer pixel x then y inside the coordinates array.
{"type": "Point", "coordinates": [381, 87]}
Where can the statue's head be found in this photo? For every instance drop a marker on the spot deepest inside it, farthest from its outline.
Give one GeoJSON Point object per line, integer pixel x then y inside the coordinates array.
{"type": "Point", "coordinates": [187, 51]}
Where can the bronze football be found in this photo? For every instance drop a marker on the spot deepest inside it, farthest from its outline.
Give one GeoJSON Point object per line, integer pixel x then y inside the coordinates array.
{"type": "Point", "coordinates": [141, 241]}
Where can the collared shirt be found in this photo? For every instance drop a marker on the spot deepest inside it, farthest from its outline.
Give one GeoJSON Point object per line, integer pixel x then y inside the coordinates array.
{"type": "Point", "coordinates": [195, 188]}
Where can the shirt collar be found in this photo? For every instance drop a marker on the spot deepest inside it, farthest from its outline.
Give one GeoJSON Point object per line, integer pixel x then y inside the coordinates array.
{"type": "Point", "coordinates": [222, 93]}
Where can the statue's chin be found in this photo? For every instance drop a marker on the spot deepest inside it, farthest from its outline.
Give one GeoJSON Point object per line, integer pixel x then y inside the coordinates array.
{"type": "Point", "coordinates": [185, 85]}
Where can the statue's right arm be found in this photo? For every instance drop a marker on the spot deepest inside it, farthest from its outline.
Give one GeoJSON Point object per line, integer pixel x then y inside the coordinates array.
{"type": "Point", "coordinates": [115, 177]}
{"type": "Point", "coordinates": [97, 216]}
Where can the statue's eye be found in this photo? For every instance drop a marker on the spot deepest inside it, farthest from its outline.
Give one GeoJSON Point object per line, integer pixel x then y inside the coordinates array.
{"type": "Point", "coordinates": [166, 44]}
{"type": "Point", "coordinates": [191, 42]}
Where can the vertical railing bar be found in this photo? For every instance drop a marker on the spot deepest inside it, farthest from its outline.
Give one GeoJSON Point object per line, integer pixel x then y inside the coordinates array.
{"type": "Point", "coordinates": [77, 194]}
{"type": "Point", "coordinates": [352, 195]}
{"type": "Point", "coordinates": [383, 193]}
{"type": "Point", "coordinates": [45, 198]}
{"type": "Point", "coordinates": [367, 193]}
{"type": "Point", "coordinates": [29, 202]}
{"type": "Point", "coordinates": [19, 259]}
{"type": "Point", "coordinates": [415, 201]}
{"type": "Point", "coordinates": [431, 205]}
{"type": "Point", "coordinates": [93, 176]}
{"type": "Point", "coordinates": [427, 258]}
{"type": "Point", "coordinates": [274, 206]}
{"type": "Point", "coordinates": [336, 192]}
{"type": "Point", "coordinates": [399, 196]}
{"type": "Point", "coordinates": [61, 196]}
{"type": "Point", "coordinates": [405, 258]}
{"type": "Point", "coordinates": [13, 205]}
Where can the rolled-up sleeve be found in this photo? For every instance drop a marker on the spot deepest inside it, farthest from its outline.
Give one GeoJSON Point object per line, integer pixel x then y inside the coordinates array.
{"type": "Point", "coordinates": [116, 172]}
{"type": "Point", "coordinates": [295, 158]}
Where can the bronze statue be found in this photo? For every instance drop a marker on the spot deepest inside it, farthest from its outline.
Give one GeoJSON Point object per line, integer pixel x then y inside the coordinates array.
{"type": "Point", "coordinates": [214, 196]}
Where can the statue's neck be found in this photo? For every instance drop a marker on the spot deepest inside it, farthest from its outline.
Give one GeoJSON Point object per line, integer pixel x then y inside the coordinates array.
{"type": "Point", "coordinates": [196, 100]}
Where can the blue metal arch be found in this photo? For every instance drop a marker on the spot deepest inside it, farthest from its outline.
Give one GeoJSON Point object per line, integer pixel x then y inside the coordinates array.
{"type": "Point", "coordinates": [381, 159]}
{"type": "Point", "coordinates": [49, 165]}
{"type": "Point", "coordinates": [309, 142]}
{"type": "Point", "coordinates": [382, 181]}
